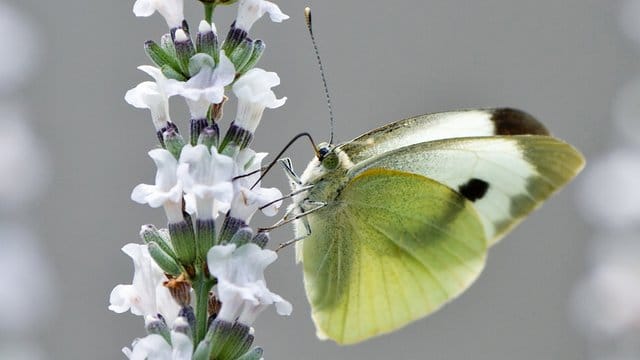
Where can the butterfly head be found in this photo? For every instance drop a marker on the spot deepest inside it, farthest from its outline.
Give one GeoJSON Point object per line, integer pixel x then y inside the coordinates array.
{"type": "Point", "coordinates": [328, 156]}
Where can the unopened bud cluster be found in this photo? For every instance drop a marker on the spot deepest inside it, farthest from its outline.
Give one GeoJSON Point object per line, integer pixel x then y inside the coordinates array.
{"type": "Point", "coordinates": [199, 282]}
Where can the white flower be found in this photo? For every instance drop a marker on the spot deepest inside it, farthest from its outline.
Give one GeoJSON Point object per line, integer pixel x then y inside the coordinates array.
{"type": "Point", "coordinates": [167, 191]}
{"type": "Point", "coordinates": [155, 347]}
{"type": "Point", "coordinates": [249, 11]}
{"type": "Point", "coordinates": [153, 96]}
{"type": "Point", "coordinates": [247, 200]}
{"type": "Point", "coordinates": [241, 285]}
{"type": "Point", "coordinates": [254, 94]}
{"type": "Point", "coordinates": [171, 10]}
{"type": "Point", "coordinates": [146, 295]}
{"type": "Point", "coordinates": [207, 175]}
{"type": "Point", "coordinates": [206, 87]}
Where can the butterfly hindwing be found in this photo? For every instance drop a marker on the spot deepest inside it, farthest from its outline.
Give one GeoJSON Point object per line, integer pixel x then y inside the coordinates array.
{"type": "Point", "coordinates": [392, 248]}
{"type": "Point", "coordinates": [505, 177]}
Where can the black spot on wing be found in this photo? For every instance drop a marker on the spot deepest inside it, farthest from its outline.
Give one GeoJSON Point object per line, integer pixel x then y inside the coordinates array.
{"type": "Point", "coordinates": [474, 189]}
{"type": "Point", "coordinates": [515, 122]}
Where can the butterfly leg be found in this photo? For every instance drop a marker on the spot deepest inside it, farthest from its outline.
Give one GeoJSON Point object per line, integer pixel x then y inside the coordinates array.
{"type": "Point", "coordinates": [294, 179]}
{"type": "Point", "coordinates": [307, 227]}
{"type": "Point", "coordinates": [291, 242]}
{"type": "Point", "coordinates": [286, 220]}
{"type": "Point", "coordinates": [291, 194]}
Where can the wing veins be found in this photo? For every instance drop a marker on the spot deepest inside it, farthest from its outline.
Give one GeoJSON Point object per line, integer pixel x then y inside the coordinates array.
{"type": "Point", "coordinates": [382, 268]}
{"type": "Point", "coordinates": [421, 220]}
{"type": "Point", "coordinates": [415, 259]}
{"type": "Point", "coordinates": [406, 251]}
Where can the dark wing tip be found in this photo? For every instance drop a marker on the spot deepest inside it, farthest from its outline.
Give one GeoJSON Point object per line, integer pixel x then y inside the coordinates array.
{"type": "Point", "coordinates": [515, 122]}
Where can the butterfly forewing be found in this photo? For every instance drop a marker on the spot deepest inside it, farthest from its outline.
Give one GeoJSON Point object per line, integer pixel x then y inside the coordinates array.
{"type": "Point", "coordinates": [445, 125]}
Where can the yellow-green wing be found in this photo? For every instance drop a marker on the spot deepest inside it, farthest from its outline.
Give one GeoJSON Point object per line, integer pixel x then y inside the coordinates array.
{"type": "Point", "coordinates": [505, 177]}
{"type": "Point", "coordinates": [393, 248]}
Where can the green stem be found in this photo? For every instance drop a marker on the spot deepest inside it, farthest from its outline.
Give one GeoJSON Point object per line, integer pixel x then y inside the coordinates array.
{"type": "Point", "coordinates": [208, 12]}
{"type": "Point", "coordinates": [201, 287]}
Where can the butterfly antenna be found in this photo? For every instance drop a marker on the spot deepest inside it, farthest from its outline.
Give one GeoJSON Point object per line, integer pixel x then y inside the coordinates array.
{"type": "Point", "coordinates": [275, 160]}
{"type": "Point", "coordinates": [307, 17]}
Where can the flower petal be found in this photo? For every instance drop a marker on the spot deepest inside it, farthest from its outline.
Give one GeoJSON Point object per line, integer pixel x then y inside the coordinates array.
{"type": "Point", "coordinates": [171, 10]}
{"type": "Point", "coordinates": [182, 346]}
{"type": "Point", "coordinates": [241, 285]}
{"type": "Point", "coordinates": [275, 14]}
{"type": "Point", "coordinates": [151, 347]}
{"type": "Point", "coordinates": [143, 8]}
{"type": "Point", "coordinates": [142, 296]}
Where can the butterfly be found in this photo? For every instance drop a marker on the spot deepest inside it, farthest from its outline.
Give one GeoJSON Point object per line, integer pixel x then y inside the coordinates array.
{"type": "Point", "coordinates": [397, 222]}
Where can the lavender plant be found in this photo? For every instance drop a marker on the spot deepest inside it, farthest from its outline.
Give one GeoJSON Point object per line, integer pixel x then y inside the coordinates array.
{"type": "Point", "coordinates": [199, 283]}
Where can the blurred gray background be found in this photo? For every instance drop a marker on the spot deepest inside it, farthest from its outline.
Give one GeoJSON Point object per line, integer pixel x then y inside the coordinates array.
{"type": "Point", "coordinates": [562, 61]}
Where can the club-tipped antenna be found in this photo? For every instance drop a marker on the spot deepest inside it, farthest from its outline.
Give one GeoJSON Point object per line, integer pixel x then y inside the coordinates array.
{"type": "Point", "coordinates": [275, 160]}
{"type": "Point", "coordinates": [307, 18]}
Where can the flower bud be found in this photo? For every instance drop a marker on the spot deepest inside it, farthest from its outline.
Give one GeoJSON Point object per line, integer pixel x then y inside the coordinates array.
{"type": "Point", "coordinates": [166, 43]}
{"type": "Point", "coordinates": [171, 73]}
{"type": "Point", "coordinates": [242, 236]}
{"type": "Point", "coordinates": [184, 49]}
{"type": "Point", "coordinates": [183, 241]}
{"type": "Point", "coordinates": [258, 49]}
{"type": "Point", "coordinates": [242, 53]}
{"type": "Point", "coordinates": [167, 263]}
{"type": "Point", "coordinates": [150, 233]}
{"type": "Point", "coordinates": [207, 41]}
{"type": "Point", "coordinates": [254, 354]}
{"type": "Point", "coordinates": [159, 56]}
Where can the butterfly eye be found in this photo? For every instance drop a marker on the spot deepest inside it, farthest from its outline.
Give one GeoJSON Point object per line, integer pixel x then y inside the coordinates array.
{"type": "Point", "coordinates": [323, 151]}
{"type": "Point", "coordinates": [330, 160]}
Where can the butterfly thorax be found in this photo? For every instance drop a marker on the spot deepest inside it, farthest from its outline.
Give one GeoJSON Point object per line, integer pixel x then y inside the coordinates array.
{"type": "Point", "coordinates": [326, 176]}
